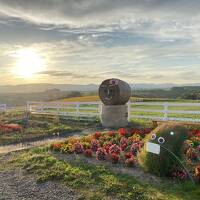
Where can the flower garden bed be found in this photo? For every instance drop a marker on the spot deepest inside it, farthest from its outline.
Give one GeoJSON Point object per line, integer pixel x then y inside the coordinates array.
{"type": "Point", "coordinates": [123, 146]}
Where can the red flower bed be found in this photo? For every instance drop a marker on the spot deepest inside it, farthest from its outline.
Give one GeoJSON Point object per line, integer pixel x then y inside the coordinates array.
{"type": "Point", "coordinates": [124, 145]}
{"type": "Point", "coordinates": [8, 128]}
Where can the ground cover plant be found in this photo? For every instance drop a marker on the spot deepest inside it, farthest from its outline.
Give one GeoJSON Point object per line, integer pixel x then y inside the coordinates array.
{"type": "Point", "coordinates": [94, 182]}
{"type": "Point", "coordinates": [125, 146]}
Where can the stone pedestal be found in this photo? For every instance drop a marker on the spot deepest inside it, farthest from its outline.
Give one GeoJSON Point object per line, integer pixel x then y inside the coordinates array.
{"type": "Point", "coordinates": [114, 116]}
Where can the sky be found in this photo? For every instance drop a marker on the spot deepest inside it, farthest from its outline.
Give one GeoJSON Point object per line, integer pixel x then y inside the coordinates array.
{"type": "Point", "coordinates": [87, 41]}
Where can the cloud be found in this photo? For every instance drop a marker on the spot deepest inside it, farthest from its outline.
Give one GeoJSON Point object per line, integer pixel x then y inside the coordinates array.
{"type": "Point", "coordinates": [72, 11]}
{"type": "Point", "coordinates": [68, 74]}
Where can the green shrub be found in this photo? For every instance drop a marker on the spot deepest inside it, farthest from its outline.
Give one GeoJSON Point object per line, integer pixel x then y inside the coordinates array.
{"type": "Point", "coordinates": [162, 164]}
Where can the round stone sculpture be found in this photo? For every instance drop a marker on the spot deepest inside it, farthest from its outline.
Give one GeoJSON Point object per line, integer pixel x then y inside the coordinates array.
{"type": "Point", "coordinates": [114, 92]}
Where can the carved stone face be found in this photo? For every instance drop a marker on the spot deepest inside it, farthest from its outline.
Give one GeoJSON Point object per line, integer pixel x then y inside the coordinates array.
{"type": "Point", "coordinates": [109, 91]}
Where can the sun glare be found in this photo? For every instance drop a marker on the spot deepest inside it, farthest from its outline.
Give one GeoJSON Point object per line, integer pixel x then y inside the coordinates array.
{"type": "Point", "coordinates": [28, 63]}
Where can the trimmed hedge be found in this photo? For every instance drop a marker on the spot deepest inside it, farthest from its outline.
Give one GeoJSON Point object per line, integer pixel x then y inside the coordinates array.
{"type": "Point", "coordinates": [165, 162]}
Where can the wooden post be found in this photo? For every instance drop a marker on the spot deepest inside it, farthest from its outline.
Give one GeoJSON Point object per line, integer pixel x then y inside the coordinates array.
{"type": "Point", "coordinates": [129, 111]}
{"type": "Point", "coordinates": [165, 111]}
{"type": "Point", "coordinates": [77, 110]}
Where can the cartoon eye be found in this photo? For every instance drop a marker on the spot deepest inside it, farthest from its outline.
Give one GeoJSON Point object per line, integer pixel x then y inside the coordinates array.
{"type": "Point", "coordinates": [153, 136]}
{"type": "Point", "coordinates": [161, 140]}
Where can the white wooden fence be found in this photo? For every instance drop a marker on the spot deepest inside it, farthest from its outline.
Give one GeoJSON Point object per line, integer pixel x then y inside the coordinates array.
{"type": "Point", "coordinates": [76, 109]}
{"type": "Point", "coordinates": [166, 111]}
{"type": "Point", "coordinates": [3, 107]}
{"type": "Point", "coordinates": [141, 110]}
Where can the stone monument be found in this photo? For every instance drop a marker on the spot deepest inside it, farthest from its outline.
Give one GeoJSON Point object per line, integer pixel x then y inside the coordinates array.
{"type": "Point", "coordinates": [114, 94]}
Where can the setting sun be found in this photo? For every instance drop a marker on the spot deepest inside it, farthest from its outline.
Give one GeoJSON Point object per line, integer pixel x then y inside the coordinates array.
{"type": "Point", "coordinates": [28, 63]}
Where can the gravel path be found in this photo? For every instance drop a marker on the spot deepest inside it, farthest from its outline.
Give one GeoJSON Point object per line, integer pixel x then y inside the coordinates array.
{"type": "Point", "coordinates": [14, 185]}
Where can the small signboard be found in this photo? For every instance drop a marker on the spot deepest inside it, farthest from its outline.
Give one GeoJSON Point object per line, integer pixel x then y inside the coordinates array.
{"type": "Point", "coordinates": [153, 148]}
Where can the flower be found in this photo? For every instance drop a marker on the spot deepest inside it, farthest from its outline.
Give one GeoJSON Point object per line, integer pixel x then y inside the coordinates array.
{"type": "Point", "coordinates": [179, 174]}
{"type": "Point", "coordinates": [135, 147]}
{"type": "Point", "coordinates": [122, 131]}
{"type": "Point", "coordinates": [111, 133]}
{"type": "Point", "coordinates": [88, 152]}
{"type": "Point", "coordinates": [128, 155]}
{"type": "Point", "coordinates": [130, 162]}
{"type": "Point", "coordinates": [97, 135]}
{"type": "Point", "coordinates": [78, 148]}
{"type": "Point", "coordinates": [123, 143]}
{"type": "Point", "coordinates": [114, 149]}
{"type": "Point", "coordinates": [95, 145]}
{"type": "Point", "coordinates": [115, 158]}
{"type": "Point", "coordinates": [197, 173]}
{"type": "Point", "coordinates": [191, 153]}
{"type": "Point", "coordinates": [101, 154]}
{"type": "Point", "coordinates": [56, 146]}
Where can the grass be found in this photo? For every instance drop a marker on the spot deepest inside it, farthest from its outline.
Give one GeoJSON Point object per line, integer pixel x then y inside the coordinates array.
{"type": "Point", "coordinates": [142, 113]}
{"type": "Point", "coordinates": [95, 182]}
{"type": "Point", "coordinates": [40, 127]}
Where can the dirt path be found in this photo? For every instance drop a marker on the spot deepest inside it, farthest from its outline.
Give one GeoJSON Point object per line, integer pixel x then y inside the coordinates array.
{"type": "Point", "coordinates": [14, 185]}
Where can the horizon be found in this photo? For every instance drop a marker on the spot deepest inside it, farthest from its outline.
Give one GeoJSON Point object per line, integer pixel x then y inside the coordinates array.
{"type": "Point", "coordinates": [85, 42]}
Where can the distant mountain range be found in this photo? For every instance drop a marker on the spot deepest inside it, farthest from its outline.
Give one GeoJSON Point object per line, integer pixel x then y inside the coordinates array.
{"type": "Point", "coordinates": [40, 87]}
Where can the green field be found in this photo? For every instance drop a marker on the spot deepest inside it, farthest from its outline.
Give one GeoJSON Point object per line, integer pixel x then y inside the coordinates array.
{"type": "Point", "coordinates": [158, 113]}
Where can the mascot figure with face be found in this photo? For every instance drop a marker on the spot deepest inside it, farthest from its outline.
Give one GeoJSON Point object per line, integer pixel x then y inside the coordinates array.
{"type": "Point", "coordinates": [162, 146]}
{"type": "Point", "coordinates": [114, 94]}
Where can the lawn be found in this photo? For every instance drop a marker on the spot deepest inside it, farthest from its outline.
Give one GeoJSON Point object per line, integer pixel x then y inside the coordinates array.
{"type": "Point", "coordinates": [95, 182]}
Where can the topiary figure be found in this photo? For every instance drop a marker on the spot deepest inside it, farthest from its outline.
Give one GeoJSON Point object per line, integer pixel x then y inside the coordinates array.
{"type": "Point", "coordinates": [165, 138]}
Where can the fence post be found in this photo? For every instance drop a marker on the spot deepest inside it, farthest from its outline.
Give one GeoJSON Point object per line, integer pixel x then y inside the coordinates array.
{"type": "Point", "coordinates": [58, 108]}
{"type": "Point", "coordinates": [77, 110]}
{"type": "Point", "coordinates": [129, 111]}
{"type": "Point", "coordinates": [100, 109]}
{"type": "Point", "coordinates": [41, 108]}
{"type": "Point", "coordinates": [28, 106]}
{"type": "Point", "coordinates": [165, 111]}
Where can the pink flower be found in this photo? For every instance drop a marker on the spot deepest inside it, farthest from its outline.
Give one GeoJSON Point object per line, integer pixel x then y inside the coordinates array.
{"type": "Point", "coordinates": [101, 154]}
{"type": "Point", "coordinates": [78, 148]}
{"type": "Point", "coordinates": [95, 145]}
{"type": "Point", "coordinates": [114, 149]}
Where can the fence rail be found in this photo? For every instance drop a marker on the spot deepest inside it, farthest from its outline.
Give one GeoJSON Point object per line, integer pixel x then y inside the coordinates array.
{"type": "Point", "coordinates": [75, 109]}
{"type": "Point", "coordinates": [3, 107]}
{"type": "Point", "coordinates": [141, 110]}
{"type": "Point", "coordinates": [167, 111]}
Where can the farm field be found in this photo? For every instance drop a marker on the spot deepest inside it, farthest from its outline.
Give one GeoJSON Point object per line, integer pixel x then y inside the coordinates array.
{"type": "Point", "coordinates": [159, 110]}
